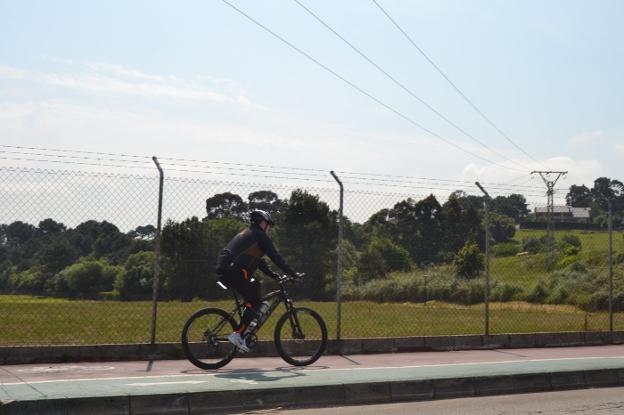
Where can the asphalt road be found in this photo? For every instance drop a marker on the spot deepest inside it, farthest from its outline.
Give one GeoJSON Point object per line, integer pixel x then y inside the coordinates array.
{"type": "Point", "coordinates": [609, 401]}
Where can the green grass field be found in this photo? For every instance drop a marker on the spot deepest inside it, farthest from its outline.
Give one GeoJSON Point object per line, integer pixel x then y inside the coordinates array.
{"type": "Point", "coordinates": [525, 270]}
{"type": "Point", "coordinates": [31, 321]}
{"type": "Point", "coordinates": [35, 321]}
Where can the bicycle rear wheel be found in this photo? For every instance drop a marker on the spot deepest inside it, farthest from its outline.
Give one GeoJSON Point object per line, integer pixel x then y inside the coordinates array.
{"type": "Point", "coordinates": [300, 336]}
{"type": "Point", "coordinates": [204, 338]}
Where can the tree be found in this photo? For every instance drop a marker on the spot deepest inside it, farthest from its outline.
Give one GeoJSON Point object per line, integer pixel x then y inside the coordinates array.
{"type": "Point", "coordinates": [469, 261]}
{"type": "Point", "coordinates": [112, 244]}
{"type": "Point", "coordinates": [18, 233]}
{"type": "Point", "coordinates": [100, 238]}
{"type": "Point", "coordinates": [419, 228]}
{"type": "Point", "coordinates": [191, 248]}
{"type": "Point", "coordinates": [468, 201]}
{"type": "Point", "coordinates": [513, 206]}
{"type": "Point", "coordinates": [381, 257]}
{"type": "Point", "coordinates": [51, 227]}
{"type": "Point", "coordinates": [137, 277]}
{"type": "Point", "coordinates": [266, 200]}
{"type": "Point", "coordinates": [88, 277]}
{"type": "Point", "coordinates": [461, 222]}
{"type": "Point", "coordinates": [21, 244]}
{"type": "Point", "coordinates": [56, 254]}
{"type": "Point", "coordinates": [225, 205]}
{"type": "Point", "coordinates": [502, 228]}
{"type": "Point", "coordinates": [306, 237]}
{"type": "Point", "coordinates": [579, 196]}
{"type": "Point", "coordinates": [146, 232]}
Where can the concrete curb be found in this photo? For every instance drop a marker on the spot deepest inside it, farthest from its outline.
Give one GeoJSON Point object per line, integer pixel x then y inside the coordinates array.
{"type": "Point", "coordinates": [341, 394]}
{"type": "Point", "coordinates": [171, 351]}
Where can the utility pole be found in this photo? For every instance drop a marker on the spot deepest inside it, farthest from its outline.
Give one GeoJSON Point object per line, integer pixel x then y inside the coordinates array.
{"type": "Point", "coordinates": [550, 208]}
{"type": "Point", "coordinates": [486, 286]}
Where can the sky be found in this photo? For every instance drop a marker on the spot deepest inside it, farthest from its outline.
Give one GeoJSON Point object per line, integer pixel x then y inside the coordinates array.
{"type": "Point", "coordinates": [197, 80]}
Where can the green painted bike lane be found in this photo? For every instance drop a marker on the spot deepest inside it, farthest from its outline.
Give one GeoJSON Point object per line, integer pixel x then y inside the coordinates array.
{"type": "Point", "coordinates": [300, 378]}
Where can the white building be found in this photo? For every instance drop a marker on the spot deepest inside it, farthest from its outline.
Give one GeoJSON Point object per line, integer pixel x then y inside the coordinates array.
{"type": "Point", "coordinates": [563, 214]}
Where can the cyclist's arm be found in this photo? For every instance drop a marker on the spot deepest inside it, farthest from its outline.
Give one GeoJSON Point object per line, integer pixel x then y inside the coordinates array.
{"type": "Point", "coordinates": [264, 267]}
{"type": "Point", "coordinates": [266, 244]}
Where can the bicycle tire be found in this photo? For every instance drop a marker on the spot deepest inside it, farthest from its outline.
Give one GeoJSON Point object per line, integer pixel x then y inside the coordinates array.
{"type": "Point", "coordinates": [300, 351]}
{"type": "Point", "coordinates": [206, 348]}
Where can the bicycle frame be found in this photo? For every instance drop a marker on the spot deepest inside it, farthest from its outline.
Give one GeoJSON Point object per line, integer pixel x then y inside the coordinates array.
{"type": "Point", "coordinates": [274, 298]}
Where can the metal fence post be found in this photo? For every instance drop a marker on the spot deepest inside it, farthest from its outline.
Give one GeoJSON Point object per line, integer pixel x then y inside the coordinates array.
{"type": "Point", "coordinates": [157, 253]}
{"type": "Point", "coordinates": [339, 259]}
{"type": "Point", "coordinates": [610, 224]}
{"type": "Point", "coordinates": [486, 288]}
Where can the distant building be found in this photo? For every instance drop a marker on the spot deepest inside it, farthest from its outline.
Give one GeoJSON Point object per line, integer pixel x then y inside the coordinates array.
{"type": "Point", "coordinates": [563, 214]}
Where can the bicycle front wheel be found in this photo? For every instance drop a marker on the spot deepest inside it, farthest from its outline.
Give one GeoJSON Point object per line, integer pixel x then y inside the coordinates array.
{"type": "Point", "coordinates": [300, 336]}
{"type": "Point", "coordinates": [204, 338]}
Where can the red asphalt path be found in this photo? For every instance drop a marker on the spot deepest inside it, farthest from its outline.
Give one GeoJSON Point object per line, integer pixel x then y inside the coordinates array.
{"type": "Point", "coordinates": [107, 370]}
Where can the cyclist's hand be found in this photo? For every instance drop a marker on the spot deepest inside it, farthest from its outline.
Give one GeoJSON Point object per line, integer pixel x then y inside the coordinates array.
{"type": "Point", "coordinates": [298, 275]}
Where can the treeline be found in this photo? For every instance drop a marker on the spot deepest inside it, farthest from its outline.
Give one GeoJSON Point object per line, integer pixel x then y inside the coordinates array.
{"type": "Point", "coordinates": [97, 260]}
{"type": "Point", "coordinates": [94, 257]}
{"type": "Point", "coordinates": [603, 191]}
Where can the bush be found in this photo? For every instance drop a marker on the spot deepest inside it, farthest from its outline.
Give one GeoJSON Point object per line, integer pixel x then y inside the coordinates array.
{"type": "Point", "coordinates": [31, 281]}
{"type": "Point", "coordinates": [575, 285]}
{"type": "Point", "coordinates": [381, 257]}
{"type": "Point", "coordinates": [539, 292]}
{"type": "Point", "coordinates": [469, 261]}
{"type": "Point", "coordinates": [505, 249]}
{"type": "Point", "coordinates": [567, 261]}
{"type": "Point", "coordinates": [468, 292]}
{"type": "Point", "coordinates": [570, 244]}
{"type": "Point", "coordinates": [502, 227]}
{"type": "Point", "coordinates": [87, 277]}
{"type": "Point", "coordinates": [396, 258]}
{"type": "Point", "coordinates": [438, 285]}
{"type": "Point", "coordinates": [533, 245]}
{"type": "Point", "coordinates": [370, 266]}
{"type": "Point", "coordinates": [572, 240]}
{"type": "Point", "coordinates": [505, 292]}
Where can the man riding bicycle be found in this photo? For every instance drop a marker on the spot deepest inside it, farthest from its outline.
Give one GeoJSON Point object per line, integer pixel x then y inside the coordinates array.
{"type": "Point", "coordinates": [237, 265]}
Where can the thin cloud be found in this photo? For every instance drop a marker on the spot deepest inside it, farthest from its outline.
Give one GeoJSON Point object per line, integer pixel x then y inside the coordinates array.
{"type": "Point", "coordinates": [102, 78]}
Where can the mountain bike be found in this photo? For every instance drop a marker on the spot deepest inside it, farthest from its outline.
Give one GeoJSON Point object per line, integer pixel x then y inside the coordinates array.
{"type": "Point", "coordinates": [300, 333]}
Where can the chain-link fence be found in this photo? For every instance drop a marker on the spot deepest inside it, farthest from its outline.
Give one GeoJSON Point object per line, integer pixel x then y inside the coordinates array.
{"type": "Point", "coordinates": [77, 258]}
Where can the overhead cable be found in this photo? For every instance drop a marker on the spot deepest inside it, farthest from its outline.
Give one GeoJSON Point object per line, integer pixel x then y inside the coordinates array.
{"type": "Point", "coordinates": [437, 68]}
{"type": "Point", "coordinates": [362, 91]}
{"type": "Point", "coordinates": [405, 88]}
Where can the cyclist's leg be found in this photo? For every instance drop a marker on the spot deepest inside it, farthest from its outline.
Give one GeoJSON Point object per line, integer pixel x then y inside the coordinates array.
{"type": "Point", "coordinates": [249, 287]}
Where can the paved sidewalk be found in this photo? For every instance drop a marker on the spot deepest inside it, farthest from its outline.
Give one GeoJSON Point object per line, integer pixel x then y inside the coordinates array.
{"type": "Point", "coordinates": [178, 387]}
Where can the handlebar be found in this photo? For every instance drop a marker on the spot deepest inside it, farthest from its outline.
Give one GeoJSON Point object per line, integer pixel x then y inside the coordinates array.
{"type": "Point", "coordinates": [291, 278]}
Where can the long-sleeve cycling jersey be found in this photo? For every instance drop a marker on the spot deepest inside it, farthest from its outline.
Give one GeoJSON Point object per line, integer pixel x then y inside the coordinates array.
{"type": "Point", "coordinates": [247, 249]}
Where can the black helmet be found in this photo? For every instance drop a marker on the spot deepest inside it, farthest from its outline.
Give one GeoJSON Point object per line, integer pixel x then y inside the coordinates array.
{"type": "Point", "coordinates": [257, 216]}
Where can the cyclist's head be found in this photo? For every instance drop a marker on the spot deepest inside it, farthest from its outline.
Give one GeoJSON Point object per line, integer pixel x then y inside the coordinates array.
{"type": "Point", "coordinates": [258, 216]}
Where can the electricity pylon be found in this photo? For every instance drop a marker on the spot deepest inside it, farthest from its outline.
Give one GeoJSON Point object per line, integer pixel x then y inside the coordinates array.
{"type": "Point", "coordinates": [550, 208]}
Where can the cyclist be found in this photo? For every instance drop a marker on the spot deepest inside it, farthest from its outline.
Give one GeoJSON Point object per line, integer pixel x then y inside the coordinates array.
{"type": "Point", "coordinates": [237, 265]}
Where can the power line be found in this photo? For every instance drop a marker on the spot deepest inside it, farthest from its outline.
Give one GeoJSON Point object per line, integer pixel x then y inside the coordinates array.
{"type": "Point", "coordinates": [321, 173]}
{"type": "Point", "coordinates": [362, 91]}
{"type": "Point", "coordinates": [405, 185]}
{"type": "Point", "coordinates": [74, 151]}
{"type": "Point", "coordinates": [75, 157]}
{"type": "Point", "coordinates": [151, 168]}
{"type": "Point", "coordinates": [468, 100]}
{"type": "Point", "coordinates": [405, 88]}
